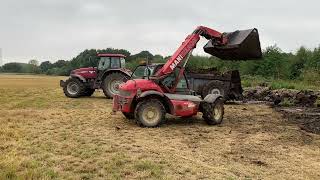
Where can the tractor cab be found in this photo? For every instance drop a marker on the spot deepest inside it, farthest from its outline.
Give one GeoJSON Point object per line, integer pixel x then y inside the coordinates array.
{"type": "Point", "coordinates": [110, 61]}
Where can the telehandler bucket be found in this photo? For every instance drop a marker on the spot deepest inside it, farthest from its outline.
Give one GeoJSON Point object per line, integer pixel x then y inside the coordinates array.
{"type": "Point", "coordinates": [241, 45]}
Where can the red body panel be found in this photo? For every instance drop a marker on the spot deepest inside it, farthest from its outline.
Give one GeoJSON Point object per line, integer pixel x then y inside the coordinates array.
{"type": "Point", "coordinates": [123, 103]}
{"type": "Point", "coordinates": [87, 73]}
{"type": "Point", "coordinates": [184, 108]}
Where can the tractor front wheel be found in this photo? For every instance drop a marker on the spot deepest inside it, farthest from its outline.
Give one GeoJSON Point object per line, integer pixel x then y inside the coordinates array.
{"type": "Point", "coordinates": [73, 88]}
{"type": "Point", "coordinates": [150, 113]}
{"type": "Point", "coordinates": [213, 112]}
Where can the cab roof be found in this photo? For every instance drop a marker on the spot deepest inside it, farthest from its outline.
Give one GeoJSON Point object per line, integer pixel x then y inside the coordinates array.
{"type": "Point", "coordinates": [111, 55]}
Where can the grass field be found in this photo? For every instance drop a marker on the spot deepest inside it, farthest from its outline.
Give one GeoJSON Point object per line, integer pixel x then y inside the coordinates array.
{"type": "Point", "coordinates": [44, 135]}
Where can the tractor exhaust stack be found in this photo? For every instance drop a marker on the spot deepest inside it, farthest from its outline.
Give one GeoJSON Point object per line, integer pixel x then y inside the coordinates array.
{"type": "Point", "coordinates": [241, 45]}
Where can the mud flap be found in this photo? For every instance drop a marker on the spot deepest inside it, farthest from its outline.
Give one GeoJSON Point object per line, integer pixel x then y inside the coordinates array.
{"type": "Point", "coordinates": [62, 83]}
{"type": "Point", "coordinates": [241, 45]}
{"type": "Point", "coordinates": [211, 98]}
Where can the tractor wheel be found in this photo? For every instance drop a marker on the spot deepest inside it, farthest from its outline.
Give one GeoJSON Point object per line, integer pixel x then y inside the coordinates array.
{"type": "Point", "coordinates": [110, 85]}
{"type": "Point", "coordinates": [213, 87]}
{"type": "Point", "coordinates": [150, 113]}
{"type": "Point", "coordinates": [73, 88]}
{"type": "Point", "coordinates": [213, 112]}
{"type": "Point", "coordinates": [128, 115]}
{"type": "Point", "coordinates": [88, 92]}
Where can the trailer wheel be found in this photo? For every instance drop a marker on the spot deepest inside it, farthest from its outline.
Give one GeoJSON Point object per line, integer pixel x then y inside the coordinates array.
{"type": "Point", "coordinates": [213, 112]}
{"type": "Point", "coordinates": [88, 92]}
{"type": "Point", "coordinates": [73, 88]}
{"type": "Point", "coordinates": [150, 113]}
{"type": "Point", "coordinates": [213, 87]}
{"type": "Point", "coordinates": [111, 83]}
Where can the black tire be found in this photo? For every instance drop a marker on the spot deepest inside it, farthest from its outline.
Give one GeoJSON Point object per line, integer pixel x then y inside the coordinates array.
{"type": "Point", "coordinates": [150, 105]}
{"type": "Point", "coordinates": [128, 115]}
{"type": "Point", "coordinates": [213, 112]}
{"type": "Point", "coordinates": [88, 92]}
{"type": "Point", "coordinates": [73, 88]}
{"type": "Point", "coordinates": [111, 84]}
{"type": "Point", "coordinates": [213, 87]}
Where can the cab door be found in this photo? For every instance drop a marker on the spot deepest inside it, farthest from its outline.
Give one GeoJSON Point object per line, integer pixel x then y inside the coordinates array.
{"type": "Point", "coordinates": [104, 64]}
{"type": "Point", "coordinates": [182, 86]}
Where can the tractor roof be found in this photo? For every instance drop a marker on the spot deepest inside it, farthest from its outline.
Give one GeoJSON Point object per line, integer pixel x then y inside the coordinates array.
{"type": "Point", "coordinates": [111, 55]}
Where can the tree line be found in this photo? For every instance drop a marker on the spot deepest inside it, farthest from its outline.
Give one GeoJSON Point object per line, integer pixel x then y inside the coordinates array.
{"type": "Point", "coordinates": [304, 64]}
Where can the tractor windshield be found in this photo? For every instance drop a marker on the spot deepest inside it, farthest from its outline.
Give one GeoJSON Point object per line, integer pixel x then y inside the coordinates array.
{"type": "Point", "coordinates": [104, 63]}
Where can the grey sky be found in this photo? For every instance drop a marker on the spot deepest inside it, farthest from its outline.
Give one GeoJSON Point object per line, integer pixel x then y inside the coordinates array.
{"type": "Point", "coordinates": [60, 29]}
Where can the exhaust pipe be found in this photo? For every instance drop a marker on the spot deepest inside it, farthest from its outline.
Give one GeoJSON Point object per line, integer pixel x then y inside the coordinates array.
{"type": "Point", "coordinates": [241, 45]}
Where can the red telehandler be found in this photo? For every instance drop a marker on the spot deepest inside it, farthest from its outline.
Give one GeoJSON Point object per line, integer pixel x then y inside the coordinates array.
{"type": "Point", "coordinates": [165, 90]}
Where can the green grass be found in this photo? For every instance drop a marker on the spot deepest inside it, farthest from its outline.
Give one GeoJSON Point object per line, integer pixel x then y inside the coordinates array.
{"type": "Point", "coordinates": [151, 169]}
{"type": "Point", "coordinates": [251, 81]}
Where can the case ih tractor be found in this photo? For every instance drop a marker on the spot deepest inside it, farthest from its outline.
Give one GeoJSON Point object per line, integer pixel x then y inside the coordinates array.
{"type": "Point", "coordinates": [152, 93]}
{"type": "Point", "coordinates": [109, 74]}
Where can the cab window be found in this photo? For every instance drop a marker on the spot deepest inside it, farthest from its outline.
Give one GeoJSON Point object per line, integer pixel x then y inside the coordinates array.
{"type": "Point", "coordinates": [123, 62]}
{"type": "Point", "coordinates": [141, 72]}
{"type": "Point", "coordinates": [170, 81]}
{"type": "Point", "coordinates": [104, 63]}
{"type": "Point", "coordinates": [115, 62]}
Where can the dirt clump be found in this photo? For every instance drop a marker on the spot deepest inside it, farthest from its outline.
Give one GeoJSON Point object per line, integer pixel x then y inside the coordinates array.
{"type": "Point", "coordinates": [282, 97]}
{"type": "Point", "coordinates": [308, 119]}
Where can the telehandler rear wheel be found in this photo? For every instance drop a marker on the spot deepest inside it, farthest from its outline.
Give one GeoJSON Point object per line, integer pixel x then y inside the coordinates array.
{"type": "Point", "coordinates": [213, 112]}
{"type": "Point", "coordinates": [150, 113]}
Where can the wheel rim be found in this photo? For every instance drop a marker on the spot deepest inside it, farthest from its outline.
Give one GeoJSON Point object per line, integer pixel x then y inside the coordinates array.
{"type": "Point", "coordinates": [151, 115]}
{"type": "Point", "coordinates": [215, 91]}
{"type": "Point", "coordinates": [73, 88]}
{"type": "Point", "coordinates": [113, 86]}
{"type": "Point", "coordinates": [217, 111]}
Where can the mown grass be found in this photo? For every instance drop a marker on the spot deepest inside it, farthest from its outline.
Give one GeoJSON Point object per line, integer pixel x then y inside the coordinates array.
{"type": "Point", "coordinates": [44, 135]}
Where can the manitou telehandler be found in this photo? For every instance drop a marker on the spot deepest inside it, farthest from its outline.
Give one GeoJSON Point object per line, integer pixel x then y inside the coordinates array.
{"type": "Point", "coordinates": [147, 99]}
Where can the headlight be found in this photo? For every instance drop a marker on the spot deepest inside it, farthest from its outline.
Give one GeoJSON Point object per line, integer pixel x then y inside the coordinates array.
{"type": "Point", "coordinates": [124, 93]}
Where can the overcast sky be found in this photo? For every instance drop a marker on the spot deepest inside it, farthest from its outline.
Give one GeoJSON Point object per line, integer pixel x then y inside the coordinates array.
{"type": "Point", "coordinates": [60, 29]}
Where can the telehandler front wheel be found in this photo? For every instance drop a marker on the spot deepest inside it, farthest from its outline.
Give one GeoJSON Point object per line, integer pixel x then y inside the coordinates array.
{"type": "Point", "coordinates": [150, 113]}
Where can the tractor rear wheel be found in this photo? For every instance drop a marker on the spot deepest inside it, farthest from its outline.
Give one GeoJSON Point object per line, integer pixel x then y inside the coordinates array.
{"type": "Point", "coordinates": [88, 92]}
{"type": "Point", "coordinates": [73, 88]}
{"type": "Point", "coordinates": [150, 113]}
{"type": "Point", "coordinates": [213, 112]}
{"type": "Point", "coordinates": [111, 83]}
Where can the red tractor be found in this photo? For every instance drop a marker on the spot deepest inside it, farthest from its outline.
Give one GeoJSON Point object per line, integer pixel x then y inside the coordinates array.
{"type": "Point", "coordinates": [109, 74]}
{"type": "Point", "coordinates": [153, 92]}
